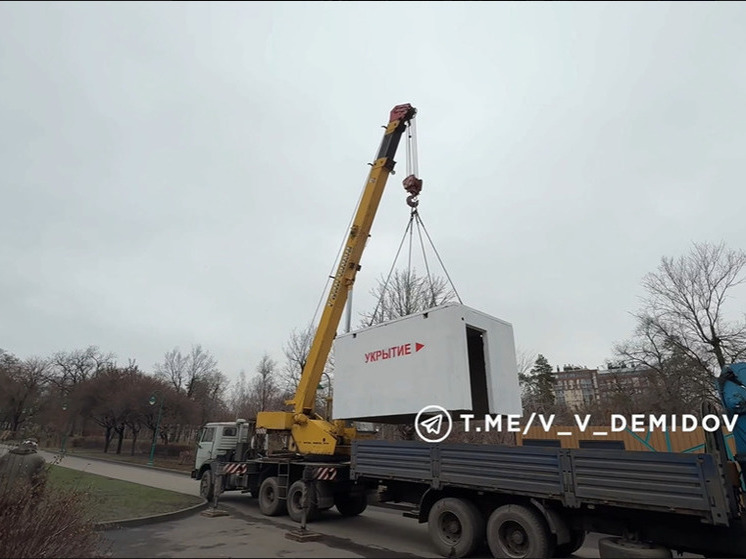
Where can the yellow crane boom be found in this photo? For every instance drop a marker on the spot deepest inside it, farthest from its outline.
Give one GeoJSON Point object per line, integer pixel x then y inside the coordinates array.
{"type": "Point", "coordinates": [312, 434]}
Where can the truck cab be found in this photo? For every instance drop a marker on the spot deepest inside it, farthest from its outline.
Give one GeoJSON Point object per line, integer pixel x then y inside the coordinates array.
{"type": "Point", "coordinates": [222, 441]}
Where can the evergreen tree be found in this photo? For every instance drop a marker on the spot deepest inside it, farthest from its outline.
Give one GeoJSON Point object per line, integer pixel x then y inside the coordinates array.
{"type": "Point", "coordinates": [538, 386]}
{"type": "Point", "coordinates": [545, 379]}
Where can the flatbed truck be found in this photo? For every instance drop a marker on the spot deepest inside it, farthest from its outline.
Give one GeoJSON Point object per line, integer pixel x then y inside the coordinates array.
{"type": "Point", "coordinates": [523, 501]}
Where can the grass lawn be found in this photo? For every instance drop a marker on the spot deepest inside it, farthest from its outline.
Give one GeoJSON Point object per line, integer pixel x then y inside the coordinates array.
{"type": "Point", "coordinates": [113, 499]}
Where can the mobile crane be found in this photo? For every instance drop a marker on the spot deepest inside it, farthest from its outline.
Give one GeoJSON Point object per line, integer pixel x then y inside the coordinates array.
{"type": "Point", "coordinates": [310, 433]}
{"type": "Point", "coordinates": [316, 448]}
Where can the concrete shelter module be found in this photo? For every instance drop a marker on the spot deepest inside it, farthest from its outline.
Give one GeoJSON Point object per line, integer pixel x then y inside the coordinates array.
{"type": "Point", "coordinates": [452, 356]}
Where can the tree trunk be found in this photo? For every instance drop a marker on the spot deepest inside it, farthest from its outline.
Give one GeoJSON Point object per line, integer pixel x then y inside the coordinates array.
{"type": "Point", "coordinates": [120, 441]}
{"type": "Point", "coordinates": [107, 439]}
{"type": "Point", "coordinates": [134, 441]}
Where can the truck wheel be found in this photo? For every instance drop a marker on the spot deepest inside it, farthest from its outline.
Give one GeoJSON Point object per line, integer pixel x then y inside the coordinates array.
{"type": "Point", "coordinates": [516, 531]}
{"type": "Point", "coordinates": [207, 485]}
{"type": "Point", "coordinates": [295, 504]}
{"type": "Point", "coordinates": [577, 537]}
{"type": "Point", "coordinates": [270, 503]}
{"type": "Point", "coordinates": [619, 548]}
{"type": "Point", "coordinates": [352, 504]}
{"type": "Point", "coordinates": [456, 527]}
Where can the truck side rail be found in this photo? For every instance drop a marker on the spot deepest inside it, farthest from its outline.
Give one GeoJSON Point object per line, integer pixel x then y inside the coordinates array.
{"type": "Point", "coordinates": [668, 482]}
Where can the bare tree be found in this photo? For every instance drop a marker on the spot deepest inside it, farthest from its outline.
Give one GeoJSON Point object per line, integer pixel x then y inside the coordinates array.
{"type": "Point", "coordinates": [686, 304]}
{"type": "Point", "coordinates": [208, 392]}
{"type": "Point", "coordinates": [101, 399]}
{"type": "Point", "coordinates": [239, 396]}
{"type": "Point", "coordinates": [195, 376]}
{"type": "Point", "coordinates": [70, 368]}
{"type": "Point", "coordinates": [682, 332]}
{"type": "Point", "coordinates": [136, 395]}
{"type": "Point", "coordinates": [676, 382]}
{"type": "Point", "coordinates": [173, 369]}
{"type": "Point", "coordinates": [525, 361]}
{"type": "Point", "coordinates": [296, 352]}
{"type": "Point", "coordinates": [264, 393]}
{"type": "Point", "coordinates": [185, 372]}
{"type": "Point", "coordinates": [265, 387]}
{"type": "Point", "coordinates": [22, 385]}
{"type": "Point", "coordinates": [177, 410]}
{"type": "Point", "coordinates": [201, 365]}
{"type": "Point", "coordinates": [407, 293]}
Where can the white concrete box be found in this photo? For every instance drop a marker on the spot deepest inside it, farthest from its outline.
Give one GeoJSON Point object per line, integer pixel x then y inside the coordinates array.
{"type": "Point", "coordinates": [451, 356]}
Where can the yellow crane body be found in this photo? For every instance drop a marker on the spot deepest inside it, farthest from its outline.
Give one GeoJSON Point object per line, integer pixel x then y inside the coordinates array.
{"type": "Point", "coordinates": [310, 433]}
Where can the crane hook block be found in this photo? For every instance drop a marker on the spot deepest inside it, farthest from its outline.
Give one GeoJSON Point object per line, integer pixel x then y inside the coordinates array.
{"type": "Point", "coordinates": [413, 185]}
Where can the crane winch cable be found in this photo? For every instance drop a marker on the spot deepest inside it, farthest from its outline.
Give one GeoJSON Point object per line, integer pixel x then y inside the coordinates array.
{"type": "Point", "coordinates": [335, 264]}
{"type": "Point", "coordinates": [414, 188]}
{"type": "Point", "coordinates": [413, 185]}
{"type": "Point", "coordinates": [420, 224]}
{"type": "Point", "coordinates": [391, 270]}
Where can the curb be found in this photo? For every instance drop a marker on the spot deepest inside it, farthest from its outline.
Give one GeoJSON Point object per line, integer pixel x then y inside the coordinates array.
{"type": "Point", "coordinates": [152, 519]}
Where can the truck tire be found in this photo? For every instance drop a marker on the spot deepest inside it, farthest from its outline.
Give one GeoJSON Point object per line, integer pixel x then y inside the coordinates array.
{"type": "Point", "coordinates": [351, 504]}
{"type": "Point", "coordinates": [295, 504]}
{"type": "Point", "coordinates": [456, 527]}
{"type": "Point", "coordinates": [577, 538]}
{"type": "Point", "coordinates": [516, 531]}
{"type": "Point", "coordinates": [619, 548]}
{"type": "Point", "coordinates": [207, 485]}
{"type": "Point", "coordinates": [270, 503]}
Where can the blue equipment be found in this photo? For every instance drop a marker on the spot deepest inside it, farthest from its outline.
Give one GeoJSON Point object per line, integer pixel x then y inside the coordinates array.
{"type": "Point", "coordinates": [732, 388]}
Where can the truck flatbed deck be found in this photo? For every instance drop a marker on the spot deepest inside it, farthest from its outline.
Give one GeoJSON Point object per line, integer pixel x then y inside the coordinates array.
{"type": "Point", "coordinates": [668, 482]}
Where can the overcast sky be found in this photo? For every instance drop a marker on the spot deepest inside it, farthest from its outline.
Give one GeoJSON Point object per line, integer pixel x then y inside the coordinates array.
{"type": "Point", "coordinates": [184, 173]}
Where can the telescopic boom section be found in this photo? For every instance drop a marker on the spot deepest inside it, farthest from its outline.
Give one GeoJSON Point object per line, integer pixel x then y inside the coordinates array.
{"type": "Point", "coordinates": [349, 264]}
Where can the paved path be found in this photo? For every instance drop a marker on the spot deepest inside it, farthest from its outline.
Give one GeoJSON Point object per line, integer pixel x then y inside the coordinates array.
{"type": "Point", "coordinates": [153, 477]}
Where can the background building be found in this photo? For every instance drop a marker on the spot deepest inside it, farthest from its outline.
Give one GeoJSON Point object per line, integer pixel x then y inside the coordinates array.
{"type": "Point", "coordinates": [579, 387]}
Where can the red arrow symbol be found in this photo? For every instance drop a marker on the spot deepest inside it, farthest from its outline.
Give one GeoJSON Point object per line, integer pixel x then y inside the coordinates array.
{"type": "Point", "coordinates": [418, 346]}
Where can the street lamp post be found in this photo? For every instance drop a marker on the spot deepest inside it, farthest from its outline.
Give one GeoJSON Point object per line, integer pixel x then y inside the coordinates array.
{"type": "Point", "coordinates": [67, 428]}
{"type": "Point", "coordinates": [328, 398]}
{"type": "Point", "coordinates": [152, 402]}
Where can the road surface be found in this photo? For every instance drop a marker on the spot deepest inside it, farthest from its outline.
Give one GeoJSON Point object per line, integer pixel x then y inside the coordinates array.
{"type": "Point", "coordinates": [378, 533]}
